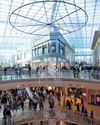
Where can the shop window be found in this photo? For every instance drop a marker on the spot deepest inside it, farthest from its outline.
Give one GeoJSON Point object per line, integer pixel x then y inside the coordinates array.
{"type": "Point", "coordinates": [44, 50]}
{"type": "Point", "coordinates": [77, 93]}
{"type": "Point", "coordinates": [33, 53]}
{"type": "Point", "coordinates": [59, 48]}
{"type": "Point", "coordinates": [98, 99]}
{"type": "Point", "coordinates": [92, 99]}
{"type": "Point", "coordinates": [40, 51]}
{"type": "Point", "coordinates": [48, 48]}
{"type": "Point", "coordinates": [19, 57]}
{"type": "Point", "coordinates": [36, 52]}
{"type": "Point", "coordinates": [24, 55]}
{"type": "Point", "coordinates": [62, 50]}
{"type": "Point", "coordinates": [53, 47]}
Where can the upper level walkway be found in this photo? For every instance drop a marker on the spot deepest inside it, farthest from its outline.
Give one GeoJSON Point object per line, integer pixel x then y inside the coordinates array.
{"type": "Point", "coordinates": [62, 78]}
{"type": "Point", "coordinates": [53, 73]}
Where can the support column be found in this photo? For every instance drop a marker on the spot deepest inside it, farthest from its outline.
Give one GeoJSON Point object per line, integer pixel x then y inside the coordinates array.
{"type": "Point", "coordinates": [64, 96]}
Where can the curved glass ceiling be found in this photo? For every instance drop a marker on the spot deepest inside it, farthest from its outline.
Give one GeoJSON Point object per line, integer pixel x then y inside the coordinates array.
{"type": "Point", "coordinates": [22, 20]}
{"type": "Point", "coordinates": [43, 16]}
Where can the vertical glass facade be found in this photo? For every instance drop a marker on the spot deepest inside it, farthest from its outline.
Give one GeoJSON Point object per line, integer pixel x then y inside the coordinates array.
{"type": "Point", "coordinates": [21, 27]}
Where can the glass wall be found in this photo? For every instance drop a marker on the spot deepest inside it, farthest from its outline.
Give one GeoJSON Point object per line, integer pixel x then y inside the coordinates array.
{"type": "Point", "coordinates": [84, 55]}
{"type": "Point", "coordinates": [7, 57]}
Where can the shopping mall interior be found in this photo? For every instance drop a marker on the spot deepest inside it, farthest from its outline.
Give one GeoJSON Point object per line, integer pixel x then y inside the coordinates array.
{"type": "Point", "coordinates": [49, 62]}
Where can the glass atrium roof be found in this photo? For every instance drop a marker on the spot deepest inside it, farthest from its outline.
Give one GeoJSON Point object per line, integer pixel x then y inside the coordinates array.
{"type": "Point", "coordinates": [23, 20]}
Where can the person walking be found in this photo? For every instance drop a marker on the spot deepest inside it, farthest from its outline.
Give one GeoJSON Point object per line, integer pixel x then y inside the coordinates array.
{"type": "Point", "coordinates": [78, 108]}
{"type": "Point", "coordinates": [29, 70]}
{"type": "Point", "coordinates": [5, 71]}
{"type": "Point", "coordinates": [82, 109]}
{"type": "Point", "coordinates": [91, 116]}
{"type": "Point", "coordinates": [22, 105]}
{"type": "Point", "coordinates": [85, 114]}
{"type": "Point", "coordinates": [41, 105]}
{"type": "Point", "coordinates": [6, 115]}
{"type": "Point", "coordinates": [30, 104]}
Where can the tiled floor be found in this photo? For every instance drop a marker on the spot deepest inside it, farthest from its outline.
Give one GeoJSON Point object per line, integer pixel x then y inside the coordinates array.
{"type": "Point", "coordinates": [60, 114]}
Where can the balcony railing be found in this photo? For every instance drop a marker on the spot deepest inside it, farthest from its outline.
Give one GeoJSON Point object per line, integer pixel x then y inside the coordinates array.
{"type": "Point", "coordinates": [11, 74]}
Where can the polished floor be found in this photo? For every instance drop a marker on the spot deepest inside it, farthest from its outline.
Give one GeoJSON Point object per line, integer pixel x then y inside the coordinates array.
{"type": "Point", "coordinates": [60, 113]}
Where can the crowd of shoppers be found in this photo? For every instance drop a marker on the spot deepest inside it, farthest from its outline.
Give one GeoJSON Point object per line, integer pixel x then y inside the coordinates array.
{"type": "Point", "coordinates": [13, 100]}
{"type": "Point", "coordinates": [81, 110]}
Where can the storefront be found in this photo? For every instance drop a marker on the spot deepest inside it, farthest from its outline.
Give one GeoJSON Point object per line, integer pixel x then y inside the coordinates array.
{"type": "Point", "coordinates": [84, 94]}
{"type": "Point", "coordinates": [94, 97]}
{"type": "Point", "coordinates": [78, 93]}
{"type": "Point", "coordinates": [48, 61]}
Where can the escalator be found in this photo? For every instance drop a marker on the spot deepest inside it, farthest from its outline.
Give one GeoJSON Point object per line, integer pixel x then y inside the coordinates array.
{"type": "Point", "coordinates": [32, 95]}
{"type": "Point", "coordinates": [29, 92]}
{"type": "Point", "coordinates": [34, 98]}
